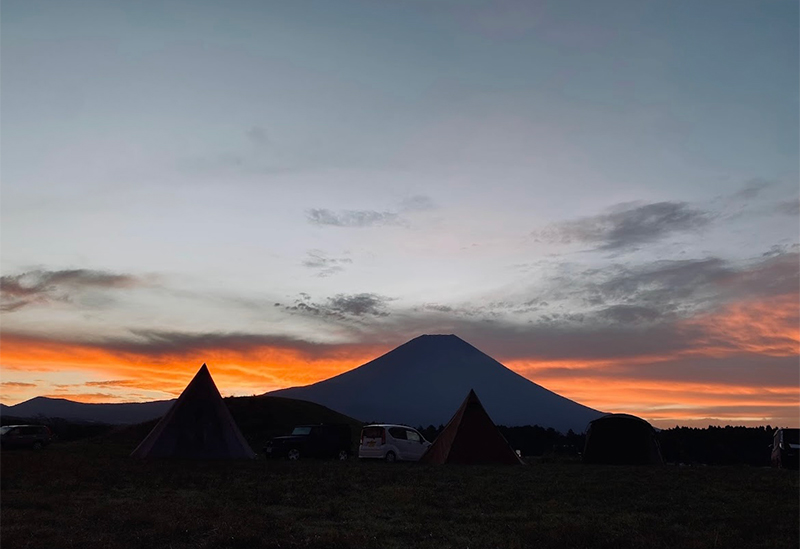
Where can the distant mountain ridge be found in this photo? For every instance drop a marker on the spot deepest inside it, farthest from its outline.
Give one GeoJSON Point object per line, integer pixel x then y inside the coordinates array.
{"type": "Point", "coordinates": [423, 381]}
{"type": "Point", "coordinates": [117, 413]}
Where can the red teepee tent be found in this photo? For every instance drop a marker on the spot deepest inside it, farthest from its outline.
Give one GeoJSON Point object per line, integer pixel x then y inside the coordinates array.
{"type": "Point", "coordinates": [198, 425]}
{"type": "Point", "coordinates": [471, 437]}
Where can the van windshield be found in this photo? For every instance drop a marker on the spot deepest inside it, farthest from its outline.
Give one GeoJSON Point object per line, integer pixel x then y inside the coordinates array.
{"type": "Point", "coordinates": [301, 430]}
{"type": "Point", "coordinates": [4, 430]}
{"type": "Point", "coordinates": [791, 436]}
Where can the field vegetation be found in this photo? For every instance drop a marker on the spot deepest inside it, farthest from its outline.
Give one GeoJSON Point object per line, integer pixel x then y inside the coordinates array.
{"type": "Point", "coordinates": [88, 494]}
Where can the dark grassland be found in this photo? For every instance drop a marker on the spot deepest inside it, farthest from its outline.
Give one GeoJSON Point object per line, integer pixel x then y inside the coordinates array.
{"type": "Point", "coordinates": [89, 494]}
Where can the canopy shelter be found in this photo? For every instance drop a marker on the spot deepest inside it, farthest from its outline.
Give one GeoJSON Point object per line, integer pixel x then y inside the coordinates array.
{"type": "Point", "coordinates": [471, 437]}
{"type": "Point", "coordinates": [198, 426]}
{"type": "Point", "coordinates": [621, 439]}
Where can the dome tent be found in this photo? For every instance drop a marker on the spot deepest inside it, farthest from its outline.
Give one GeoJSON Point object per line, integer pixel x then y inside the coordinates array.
{"type": "Point", "coordinates": [198, 426]}
{"type": "Point", "coordinates": [621, 439]}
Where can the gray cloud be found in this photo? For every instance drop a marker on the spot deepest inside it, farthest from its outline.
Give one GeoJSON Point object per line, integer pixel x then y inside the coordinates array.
{"type": "Point", "coordinates": [342, 306]}
{"type": "Point", "coordinates": [627, 225]}
{"type": "Point", "coordinates": [40, 286]}
{"type": "Point", "coordinates": [351, 218]}
{"type": "Point", "coordinates": [629, 314]}
{"type": "Point", "coordinates": [752, 189]}
{"type": "Point", "coordinates": [325, 266]}
{"type": "Point", "coordinates": [789, 207]}
{"type": "Point", "coordinates": [369, 218]}
{"type": "Point", "coordinates": [418, 203]}
{"type": "Point", "coordinates": [257, 135]}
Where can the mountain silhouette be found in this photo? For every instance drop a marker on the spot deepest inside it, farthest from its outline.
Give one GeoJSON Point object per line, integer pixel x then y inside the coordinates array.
{"type": "Point", "coordinates": [423, 381]}
{"type": "Point", "coordinates": [119, 413]}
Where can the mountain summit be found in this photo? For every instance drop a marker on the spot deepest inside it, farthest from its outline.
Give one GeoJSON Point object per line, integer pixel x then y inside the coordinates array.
{"type": "Point", "coordinates": [424, 380]}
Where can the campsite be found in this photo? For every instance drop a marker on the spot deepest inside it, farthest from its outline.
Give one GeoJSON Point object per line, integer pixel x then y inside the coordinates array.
{"type": "Point", "coordinates": [90, 494]}
{"type": "Point", "coordinates": [190, 480]}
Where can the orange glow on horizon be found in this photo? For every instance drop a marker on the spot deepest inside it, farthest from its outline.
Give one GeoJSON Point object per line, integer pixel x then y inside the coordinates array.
{"type": "Point", "coordinates": [31, 366]}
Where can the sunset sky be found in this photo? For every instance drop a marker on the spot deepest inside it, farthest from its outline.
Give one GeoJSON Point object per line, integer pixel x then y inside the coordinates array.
{"type": "Point", "coordinates": [603, 196]}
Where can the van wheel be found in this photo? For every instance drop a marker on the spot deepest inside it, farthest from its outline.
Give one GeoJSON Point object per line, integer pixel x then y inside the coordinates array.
{"type": "Point", "coordinates": [293, 454]}
{"type": "Point", "coordinates": [342, 455]}
{"type": "Point", "coordinates": [391, 457]}
{"type": "Point", "coordinates": [37, 445]}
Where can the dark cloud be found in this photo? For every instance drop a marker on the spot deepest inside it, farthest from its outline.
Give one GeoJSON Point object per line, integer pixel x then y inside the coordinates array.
{"type": "Point", "coordinates": [342, 306]}
{"type": "Point", "coordinates": [352, 218]}
{"type": "Point", "coordinates": [628, 314]}
{"type": "Point", "coordinates": [42, 286]}
{"type": "Point", "coordinates": [160, 343]}
{"type": "Point", "coordinates": [627, 225]}
{"type": "Point", "coordinates": [324, 265]}
{"type": "Point", "coordinates": [754, 370]}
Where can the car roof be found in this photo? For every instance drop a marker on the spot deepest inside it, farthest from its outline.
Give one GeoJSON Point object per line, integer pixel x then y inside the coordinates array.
{"type": "Point", "coordinates": [388, 425]}
{"type": "Point", "coordinates": [25, 425]}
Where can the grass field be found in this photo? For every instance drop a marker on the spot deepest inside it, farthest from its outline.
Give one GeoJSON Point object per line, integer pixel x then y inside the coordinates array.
{"type": "Point", "coordinates": [91, 495]}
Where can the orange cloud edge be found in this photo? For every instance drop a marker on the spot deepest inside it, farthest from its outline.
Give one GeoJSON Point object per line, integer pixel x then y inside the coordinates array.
{"type": "Point", "coordinates": [36, 366]}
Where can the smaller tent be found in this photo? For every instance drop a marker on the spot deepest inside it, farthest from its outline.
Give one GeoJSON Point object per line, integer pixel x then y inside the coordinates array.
{"type": "Point", "coordinates": [198, 426]}
{"type": "Point", "coordinates": [621, 439]}
{"type": "Point", "coordinates": [471, 437]}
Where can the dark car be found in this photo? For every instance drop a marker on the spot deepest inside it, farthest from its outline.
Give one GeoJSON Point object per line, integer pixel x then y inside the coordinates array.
{"type": "Point", "coordinates": [25, 436]}
{"type": "Point", "coordinates": [331, 441]}
{"type": "Point", "coordinates": [786, 448]}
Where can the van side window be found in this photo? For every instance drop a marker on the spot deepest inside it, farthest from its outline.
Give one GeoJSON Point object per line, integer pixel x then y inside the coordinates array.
{"type": "Point", "coordinates": [398, 432]}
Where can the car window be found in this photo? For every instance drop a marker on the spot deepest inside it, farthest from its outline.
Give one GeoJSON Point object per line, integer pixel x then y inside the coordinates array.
{"type": "Point", "coordinates": [398, 432]}
{"type": "Point", "coordinates": [372, 432]}
{"type": "Point", "coordinates": [4, 430]}
{"type": "Point", "coordinates": [791, 436]}
{"type": "Point", "coordinates": [413, 436]}
{"type": "Point", "coordinates": [301, 430]}
{"type": "Point", "coordinates": [28, 430]}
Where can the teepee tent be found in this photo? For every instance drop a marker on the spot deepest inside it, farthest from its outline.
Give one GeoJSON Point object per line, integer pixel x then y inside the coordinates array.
{"type": "Point", "coordinates": [621, 439]}
{"type": "Point", "coordinates": [197, 426]}
{"type": "Point", "coordinates": [471, 437]}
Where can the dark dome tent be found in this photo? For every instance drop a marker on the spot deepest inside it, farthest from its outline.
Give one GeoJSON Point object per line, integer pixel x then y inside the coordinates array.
{"type": "Point", "coordinates": [471, 437]}
{"type": "Point", "coordinates": [621, 439]}
{"type": "Point", "coordinates": [198, 426]}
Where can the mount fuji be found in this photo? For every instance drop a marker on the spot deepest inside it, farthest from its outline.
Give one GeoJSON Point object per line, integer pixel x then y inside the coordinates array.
{"type": "Point", "coordinates": [423, 381]}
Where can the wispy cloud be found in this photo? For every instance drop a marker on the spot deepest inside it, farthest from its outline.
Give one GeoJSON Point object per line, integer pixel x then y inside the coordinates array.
{"type": "Point", "coordinates": [627, 225]}
{"type": "Point", "coordinates": [41, 286]}
{"type": "Point", "coordinates": [341, 306]}
{"type": "Point", "coordinates": [351, 218]}
{"type": "Point", "coordinates": [323, 264]}
{"type": "Point", "coordinates": [418, 203]}
{"type": "Point", "coordinates": [789, 207]}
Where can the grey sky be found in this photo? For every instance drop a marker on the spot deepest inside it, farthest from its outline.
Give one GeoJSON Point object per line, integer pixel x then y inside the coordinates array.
{"type": "Point", "coordinates": [408, 164]}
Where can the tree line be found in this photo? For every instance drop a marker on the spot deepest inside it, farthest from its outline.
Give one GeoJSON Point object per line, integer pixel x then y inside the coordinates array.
{"type": "Point", "coordinates": [679, 445]}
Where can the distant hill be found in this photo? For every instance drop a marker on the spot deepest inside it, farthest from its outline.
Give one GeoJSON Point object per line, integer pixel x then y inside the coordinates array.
{"type": "Point", "coordinates": [125, 413]}
{"type": "Point", "coordinates": [425, 380]}
{"type": "Point", "coordinates": [258, 417]}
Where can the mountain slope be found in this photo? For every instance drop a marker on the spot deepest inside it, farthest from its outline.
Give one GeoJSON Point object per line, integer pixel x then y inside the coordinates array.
{"type": "Point", "coordinates": [124, 413]}
{"type": "Point", "coordinates": [425, 380]}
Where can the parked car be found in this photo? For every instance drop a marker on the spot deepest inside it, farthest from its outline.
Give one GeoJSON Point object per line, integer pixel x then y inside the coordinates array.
{"type": "Point", "coordinates": [312, 441]}
{"type": "Point", "coordinates": [786, 448]}
{"type": "Point", "coordinates": [391, 443]}
{"type": "Point", "coordinates": [25, 436]}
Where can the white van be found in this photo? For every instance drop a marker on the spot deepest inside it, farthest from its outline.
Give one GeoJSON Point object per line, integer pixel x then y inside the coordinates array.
{"type": "Point", "coordinates": [391, 443]}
